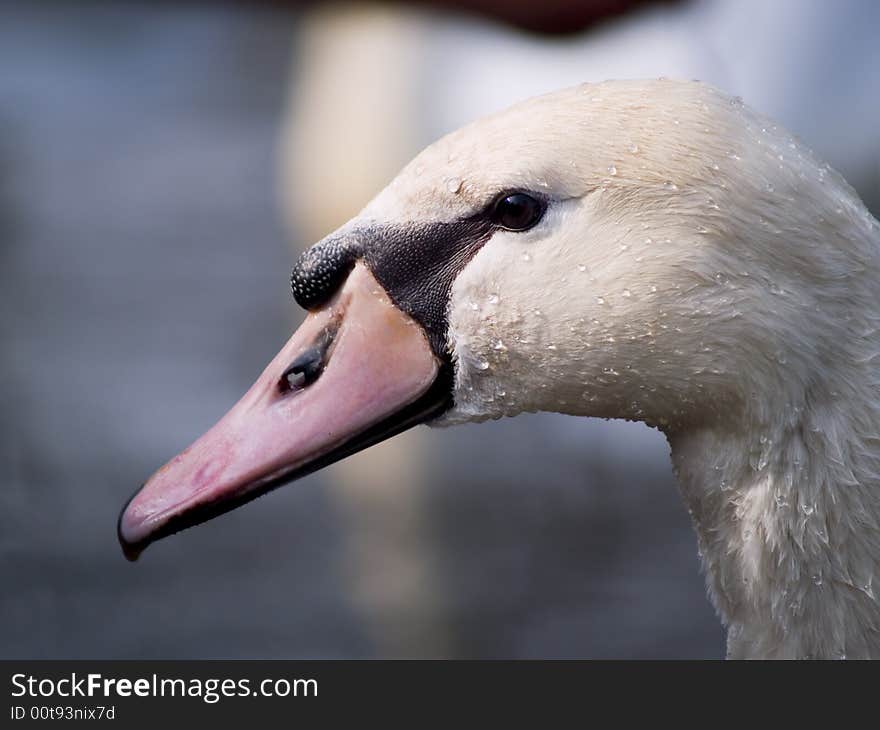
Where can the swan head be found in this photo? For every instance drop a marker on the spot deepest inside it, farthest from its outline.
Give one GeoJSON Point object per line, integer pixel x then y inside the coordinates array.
{"type": "Point", "coordinates": [644, 250]}
{"type": "Point", "coordinates": [689, 255]}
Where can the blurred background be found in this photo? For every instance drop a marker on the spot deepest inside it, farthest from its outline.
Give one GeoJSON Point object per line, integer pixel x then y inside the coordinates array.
{"type": "Point", "coordinates": [161, 166]}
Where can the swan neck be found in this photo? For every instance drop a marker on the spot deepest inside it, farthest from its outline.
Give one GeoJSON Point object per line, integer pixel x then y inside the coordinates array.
{"type": "Point", "coordinates": [788, 523]}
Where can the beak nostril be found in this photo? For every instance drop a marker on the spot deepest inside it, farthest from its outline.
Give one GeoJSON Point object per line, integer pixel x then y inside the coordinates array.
{"type": "Point", "coordinates": [303, 371]}
{"type": "Point", "coordinates": [308, 365]}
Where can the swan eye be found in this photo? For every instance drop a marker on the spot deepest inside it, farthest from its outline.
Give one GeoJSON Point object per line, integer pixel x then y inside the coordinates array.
{"type": "Point", "coordinates": [517, 211]}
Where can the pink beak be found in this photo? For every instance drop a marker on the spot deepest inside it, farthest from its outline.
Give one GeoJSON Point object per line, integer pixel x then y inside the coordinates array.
{"type": "Point", "coordinates": [356, 372]}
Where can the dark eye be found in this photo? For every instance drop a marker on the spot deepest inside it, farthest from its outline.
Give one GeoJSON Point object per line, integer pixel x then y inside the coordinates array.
{"type": "Point", "coordinates": [517, 211]}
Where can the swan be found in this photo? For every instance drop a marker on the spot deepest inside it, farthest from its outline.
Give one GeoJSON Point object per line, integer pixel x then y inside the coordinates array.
{"type": "Point", "coordinates": [647, 250]}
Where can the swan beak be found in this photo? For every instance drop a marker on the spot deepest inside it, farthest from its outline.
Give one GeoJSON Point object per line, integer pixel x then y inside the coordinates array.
{"type": "Point", "coordinates": [356, 372]}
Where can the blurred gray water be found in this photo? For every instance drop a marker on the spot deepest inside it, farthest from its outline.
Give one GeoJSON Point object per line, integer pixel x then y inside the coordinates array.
{"type": "Point", "coordinates": [143, 277]}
